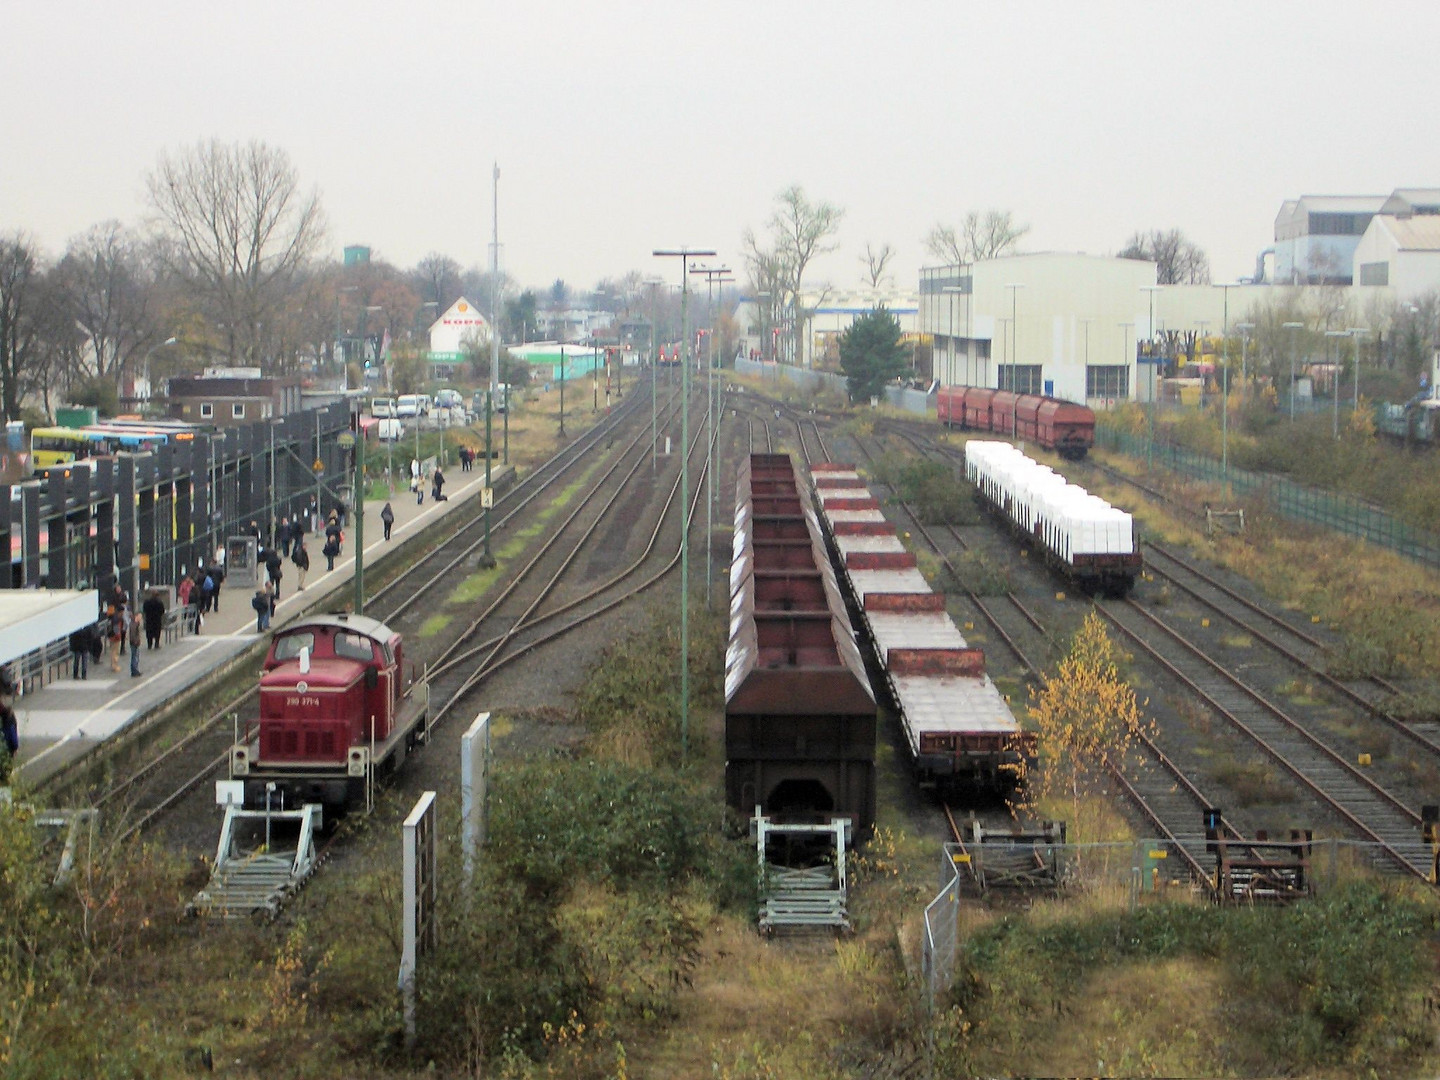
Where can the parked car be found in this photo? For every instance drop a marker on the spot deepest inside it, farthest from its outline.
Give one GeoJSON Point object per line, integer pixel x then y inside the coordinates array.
{"type": "Point", "coordinates": [448, 399]}
{"type": "Point", "coordinates": [408, 405]}
{"type": "Point", "coordinates": [382, 407]}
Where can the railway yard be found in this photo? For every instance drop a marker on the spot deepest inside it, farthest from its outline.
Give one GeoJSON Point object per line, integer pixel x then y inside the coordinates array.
{"type": "Point", "coordinates": [888, 641]}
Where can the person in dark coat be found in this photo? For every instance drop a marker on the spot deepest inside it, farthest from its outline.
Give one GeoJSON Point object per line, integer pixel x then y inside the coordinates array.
{"type": "Point", "coordinates": [217, 572]}
{"type": "Point", "coordinates": [283, 537]}
{"type": "Point", "coordinates": [387, 518]}
{"type": "Point", "coordinates": [80, 646]}
{"type": "Point", "coordinates": [330, 550]}
{"type": "Point", "coordinates": [301, 558]}
{"type": "Point", "coordinates": [437, 482]}
{"type": "Point", "coordinates": [154, 611]}
{"type": "Point", "coordinates": [273, 565]}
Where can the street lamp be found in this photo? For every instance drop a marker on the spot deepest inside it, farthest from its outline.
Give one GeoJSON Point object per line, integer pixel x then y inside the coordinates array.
{"type": "Point", "coordinates": [145, 365]}
{"type": "Point", "coordinates": [952, 291]}
{"type": "Point", "coordinates": [339, 334]}
{"type": "Point", "coordinates": [1244, 328]}
{"type": "Point", "coordinates": [654, 284]}
{"type": "Point", "coordinates": [712, 275]}
{"type": "Point", "coordinates": [1154, 374]}
{"type": "Point", "coordinates": [1335, 383]}
{"type": "Point", "coordinates": [1292, 326]}
{"type": "Point", "coordinates": [684, 254]}
{"type": "Point", "coordinates": [1355, 332]}
{"type": "Point", "coordinates": [1014, 287]}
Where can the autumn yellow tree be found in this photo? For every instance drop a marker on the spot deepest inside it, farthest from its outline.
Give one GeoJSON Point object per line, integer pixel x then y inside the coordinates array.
{"type": "Point", "coordinates": [1085, 715]}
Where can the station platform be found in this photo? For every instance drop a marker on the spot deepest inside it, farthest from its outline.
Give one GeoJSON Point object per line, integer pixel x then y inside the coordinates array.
{"type": "Point", "coordinates": [68, 718]}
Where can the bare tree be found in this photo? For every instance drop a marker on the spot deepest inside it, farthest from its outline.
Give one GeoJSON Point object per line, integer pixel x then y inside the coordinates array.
{"type": "Point", "coordinates": [875, 261]}
{"type": "Point", "coordinates": [980, 236]}
{"type": "Point", "coordinates": [946, 245]}
{"type": "Point", "coordinates": [992, 234]}
{"type": "Point", "coordinates": [1178, 260]}
{"type": "Point", "coordinates": [39, 341]}
{"type": "Point", "coordinates": [799, 232]}
{"type": "Point", "coordinates": [769, 282]}
{"type": "Point", "coordinates": [438, 279]}
{"type": "Point", "coordinates": [240, 229]}
{"type": "Point", "coordinates": [105, 286]}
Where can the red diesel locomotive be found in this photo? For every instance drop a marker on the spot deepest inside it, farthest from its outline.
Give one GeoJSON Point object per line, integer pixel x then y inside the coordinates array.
{"type": "Point", "coordinates": [1062, 426]}
{"type": "Point", "coordinates": [334, 715]}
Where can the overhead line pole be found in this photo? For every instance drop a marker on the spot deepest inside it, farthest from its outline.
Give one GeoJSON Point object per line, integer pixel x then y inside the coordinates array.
{"type": "Point", "coordinates": [712, 274]}
{"type": "Point", "coordinates": [684, 254]}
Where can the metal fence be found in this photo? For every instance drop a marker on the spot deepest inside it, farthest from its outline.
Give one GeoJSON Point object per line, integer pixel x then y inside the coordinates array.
{"type": "Point", "coordinates": [901, 397]}
{"type": "Point", "coordinates": [1129, 874]}
{"type": "Point", "coordinates": [1342, 513]}
{"type": "Point", "coordinates": [940, 949]}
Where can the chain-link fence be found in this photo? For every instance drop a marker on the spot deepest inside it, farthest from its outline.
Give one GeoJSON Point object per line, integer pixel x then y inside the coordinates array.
{"type": "Point", "coordinates": [1342, 513]}
{"type": "Point", "coordinates": [1129, 874]}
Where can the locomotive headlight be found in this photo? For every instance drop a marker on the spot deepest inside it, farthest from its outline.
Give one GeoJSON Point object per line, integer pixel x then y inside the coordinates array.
{"type": "Point", "coordinates": [358, 762]}
{"type": "Point", "coordinates": [240, 761]}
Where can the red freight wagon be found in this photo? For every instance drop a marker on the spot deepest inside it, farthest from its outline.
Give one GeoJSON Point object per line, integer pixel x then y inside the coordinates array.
{"type": "Point", "coordinates": [977, 408]}
{"type": "Point", "coordinates": [1065, 427]}
{"type": "Point", "coordinates": [950, 406]}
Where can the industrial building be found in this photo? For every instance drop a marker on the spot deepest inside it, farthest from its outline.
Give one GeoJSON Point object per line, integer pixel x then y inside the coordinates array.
{"type": "Point", "coordinates": [1059, 323]}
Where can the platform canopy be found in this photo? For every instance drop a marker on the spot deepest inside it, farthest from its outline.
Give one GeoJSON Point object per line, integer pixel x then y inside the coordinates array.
{"type": "Point", "coordinates": [32, 618]}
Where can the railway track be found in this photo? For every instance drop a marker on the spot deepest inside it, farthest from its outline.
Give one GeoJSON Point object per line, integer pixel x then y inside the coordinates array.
{"type": "Point", "coordinates": [1368, 809]}
{"type": "Point", "coordinates": [205, 749]}
{"type": "Point", "coordinates": [1160, 790]}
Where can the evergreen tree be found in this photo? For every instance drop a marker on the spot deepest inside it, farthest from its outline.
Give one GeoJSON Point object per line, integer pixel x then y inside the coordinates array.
{"type": "Point", "coordinates": [871, 354]}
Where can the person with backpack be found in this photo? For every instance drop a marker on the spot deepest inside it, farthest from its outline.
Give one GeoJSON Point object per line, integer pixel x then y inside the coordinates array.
{"type": "Point", "coordinates": [301, 558]}
{"type": "Point", "coordinates": [330, 550]}
{"type": "Point", "coordinates": [217, 571]}
{"type": "Point", "coordinates": [387, 518]}
{"type": "Point", "coordinates": [261, 603]}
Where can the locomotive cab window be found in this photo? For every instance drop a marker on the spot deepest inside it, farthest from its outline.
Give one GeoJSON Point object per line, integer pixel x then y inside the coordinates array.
{"type": "Point", "coordinates": [289, 646]}
{"type": "Point", "coordinates": [353, 647]}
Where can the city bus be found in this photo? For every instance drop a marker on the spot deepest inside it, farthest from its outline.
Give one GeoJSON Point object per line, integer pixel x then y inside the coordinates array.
{"type": "Point", "coordinates": [61, 445]}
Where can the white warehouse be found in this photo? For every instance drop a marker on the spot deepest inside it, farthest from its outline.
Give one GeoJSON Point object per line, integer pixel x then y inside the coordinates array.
{"type": "Point", "coordinates": [1056, 323]}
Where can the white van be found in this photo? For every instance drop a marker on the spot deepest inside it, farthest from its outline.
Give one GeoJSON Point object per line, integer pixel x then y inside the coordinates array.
{"type": "Point", "coordinates": [390, 430]}
{"type": "Point", "coordinates": [408, 405]}
{"type": "Point", "coordinates": [380, 407]}
{"type": "Point", "coordinates": [448, 399]}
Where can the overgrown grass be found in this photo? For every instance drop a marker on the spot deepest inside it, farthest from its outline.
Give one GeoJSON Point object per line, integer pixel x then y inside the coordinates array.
{"type": "Point", "coordinates": [931, 488]}
{"type": "Point", "coordinates": [1359, 463]}
{"type": "Point", "coordinates": [1229, 991]}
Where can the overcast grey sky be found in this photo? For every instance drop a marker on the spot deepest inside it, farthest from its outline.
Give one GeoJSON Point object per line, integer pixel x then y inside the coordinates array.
{"type": "Point", "coordinates": [625, 126]}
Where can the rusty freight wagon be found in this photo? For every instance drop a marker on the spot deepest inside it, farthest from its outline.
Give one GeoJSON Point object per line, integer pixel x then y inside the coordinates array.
{"type": "Point", "coordinates": [799, 712]}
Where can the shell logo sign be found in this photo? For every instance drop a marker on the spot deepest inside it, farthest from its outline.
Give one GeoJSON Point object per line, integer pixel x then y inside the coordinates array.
{"type": "Point", "coordinates": [462, 307]}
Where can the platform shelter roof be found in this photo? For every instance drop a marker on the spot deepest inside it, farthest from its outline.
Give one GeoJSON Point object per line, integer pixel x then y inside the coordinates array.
{"type": "Point", "coordinates": [31, 618]}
